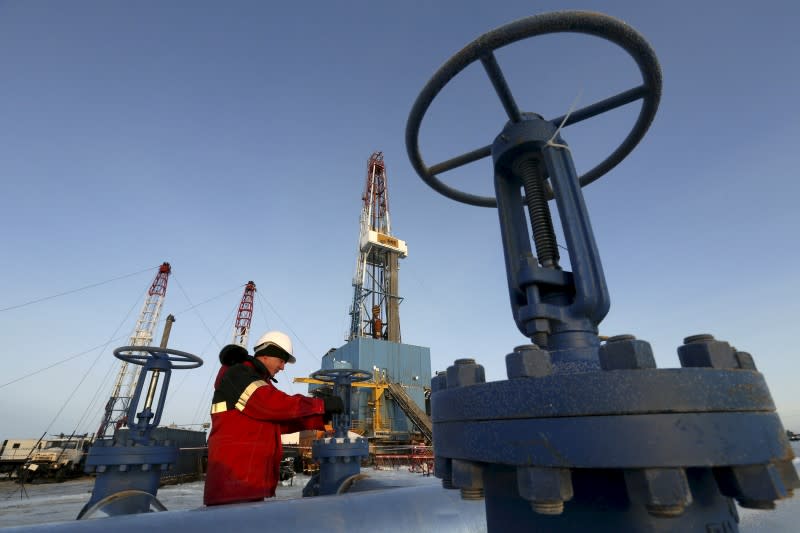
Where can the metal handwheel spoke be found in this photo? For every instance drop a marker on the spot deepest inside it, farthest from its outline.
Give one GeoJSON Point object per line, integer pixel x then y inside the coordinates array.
{"type": "Point", "coordinates": [460, 161]}
{"type": "Point", "coordinates": [501, 87]}
{"type": "Point", "coordinates": [603, 106]}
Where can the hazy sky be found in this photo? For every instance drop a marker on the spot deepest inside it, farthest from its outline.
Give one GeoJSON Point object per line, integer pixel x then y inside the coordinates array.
{"type": "Point", "coordinates": [231, 139]}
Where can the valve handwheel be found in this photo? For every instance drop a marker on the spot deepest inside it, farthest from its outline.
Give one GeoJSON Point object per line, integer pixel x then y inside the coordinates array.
{"type": "Point", "coordinates": [152, 352]}
{"type": "Point", "coordinates": [332, 374]}
{"type": "Point", "coordinates": [482, 49]}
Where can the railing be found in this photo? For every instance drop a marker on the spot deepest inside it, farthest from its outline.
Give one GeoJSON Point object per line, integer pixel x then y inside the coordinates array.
{"type": "Point", "coordinates": [412, 410]}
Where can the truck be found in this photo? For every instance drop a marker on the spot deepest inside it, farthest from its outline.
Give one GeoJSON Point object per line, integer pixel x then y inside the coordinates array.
{"type": "Point", "coordinates": [14, 453]}
{"type": "Point", "coordinates": [59, 459]}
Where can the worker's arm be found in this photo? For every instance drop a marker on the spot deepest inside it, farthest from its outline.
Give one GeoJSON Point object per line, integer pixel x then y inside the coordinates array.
{"type": "Point", "coordinates": [306, 422]}
{"type": "Point", "coordinates": [258, 399]}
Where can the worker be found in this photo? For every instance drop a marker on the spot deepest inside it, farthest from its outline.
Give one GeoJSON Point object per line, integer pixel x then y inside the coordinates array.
{"type": "Point", "coordinates": [248, 416]}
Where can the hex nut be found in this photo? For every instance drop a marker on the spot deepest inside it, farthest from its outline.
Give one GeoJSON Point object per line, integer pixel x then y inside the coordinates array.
{"type": "Point", "coordinates": [623, 337]}
{"type": "Point", "coordinates": [700, 337]}
{"type": "Point", "coordinates": [753, 486]}
{"type": "Point", "coordinates": [439, 382]}
{"type": "Point", "coordinates": [788, 475]}
{"type": "Point", "coordinates": [745, 361]}
{"type": "Point", "coordinates": [546, 488]}
{"type": "Point", "coordinates": [664, 492]}
{"type": "Point", "coordinates": [705, 353]}
{"type": "Point", "coordinates": [465, 372]}
{"type": "Point", "coordinates": [468, 476]}
{"type": "Point", "coordinates": [626, 354]}
{"type": "Point", "coordinates": [528, 361]}
{"type": "Point", "coordinates": [443, 469]}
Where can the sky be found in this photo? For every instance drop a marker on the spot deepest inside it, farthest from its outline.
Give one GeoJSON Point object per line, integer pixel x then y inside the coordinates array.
{"type": "Point", "coordinates": [231, 140]}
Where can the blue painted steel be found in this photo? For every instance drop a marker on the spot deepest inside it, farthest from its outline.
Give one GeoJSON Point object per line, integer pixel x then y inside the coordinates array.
{"type": "Point", "coordinates": [585, 436]}
{"type": "Point", "coordinates": [402, 363]}
{"type": "Point", "coordinates": [339, 457]}
{"type": "Point", "coordinates": [136, 464]}
{"type": "Point", "coordinates": [545, 300]}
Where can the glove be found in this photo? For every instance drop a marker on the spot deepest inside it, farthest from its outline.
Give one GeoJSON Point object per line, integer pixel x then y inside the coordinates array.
{"type": "Point", "coordinates": [322, 392]}
{"type": "Point", "coordinates": [333, 405]}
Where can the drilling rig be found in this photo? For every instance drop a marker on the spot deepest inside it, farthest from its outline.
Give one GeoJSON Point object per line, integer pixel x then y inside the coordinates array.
{"type": "Point", "coordinates": [375, 311]}
{"type": "Point", "coordinates": [241, 327]}
{"type": "Point", "coordinates": [121, 394]}
{"type": "Point", "coordinates": [374, 342]}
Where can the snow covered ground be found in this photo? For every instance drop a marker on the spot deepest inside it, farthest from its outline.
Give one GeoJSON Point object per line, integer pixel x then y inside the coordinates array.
{"type": "Point", "coordinates": [57, 502]}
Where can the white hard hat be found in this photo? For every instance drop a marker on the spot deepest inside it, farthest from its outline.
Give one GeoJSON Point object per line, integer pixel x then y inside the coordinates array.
{"type": "Point", "coordinates": [275, 344]}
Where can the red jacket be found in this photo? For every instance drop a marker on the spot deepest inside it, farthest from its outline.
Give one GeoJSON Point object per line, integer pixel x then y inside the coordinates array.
{"type": "Point", "coordinates": [248, 415]}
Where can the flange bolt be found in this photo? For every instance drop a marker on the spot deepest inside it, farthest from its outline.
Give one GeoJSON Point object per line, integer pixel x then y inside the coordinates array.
{"type": "Point", "coordinates": [545, 488]}
{"type": "Point", "coordinates": [703, 351]}
{"type": "Point", "coordinates": [528, 361]}
{"type": "Point", "coordinates": [465, 372]}
{"type": "Point", "coordinates": [468, 476]}
{"type": "Point", "coordinates": [626, 352]}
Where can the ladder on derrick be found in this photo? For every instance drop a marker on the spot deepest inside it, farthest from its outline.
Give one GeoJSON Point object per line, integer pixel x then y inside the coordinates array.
{"type": "Point", "coordinates": [412, 410]}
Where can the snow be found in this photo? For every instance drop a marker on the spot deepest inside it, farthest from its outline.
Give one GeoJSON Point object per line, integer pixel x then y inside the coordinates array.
{"type": "Point", "coordinates": [57, 502]}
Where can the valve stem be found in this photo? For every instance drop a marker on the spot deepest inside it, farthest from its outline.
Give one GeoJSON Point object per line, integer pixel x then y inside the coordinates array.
{"type": "Point", "coordinates": [541, 221]}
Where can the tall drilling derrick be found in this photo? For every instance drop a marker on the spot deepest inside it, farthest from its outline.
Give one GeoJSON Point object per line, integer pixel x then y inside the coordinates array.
{"type": "Point", "coordinates": [241, 327]}
{"type": "Point", "coordinates": [117, 405]}
{"type": "Point", "coordinates": [375, 311]}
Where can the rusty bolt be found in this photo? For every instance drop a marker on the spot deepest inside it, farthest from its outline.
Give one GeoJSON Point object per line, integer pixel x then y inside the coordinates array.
{"type": "Point", "coordinates": [468, 476]}
{"type": "Point", "coordinates": [545, 488]}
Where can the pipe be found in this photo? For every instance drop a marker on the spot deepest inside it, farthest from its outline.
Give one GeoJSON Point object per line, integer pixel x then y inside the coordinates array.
{"type": "Point", "coordinates": [420, 508]}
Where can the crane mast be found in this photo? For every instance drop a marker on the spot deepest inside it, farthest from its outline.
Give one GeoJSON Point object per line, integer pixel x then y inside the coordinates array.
{"type": "Point", "coordinates": [241, 327]}
{"type": "Point", "coordinates": [375, 310]}
{"type": "Point", "coordinates": [117, 405]}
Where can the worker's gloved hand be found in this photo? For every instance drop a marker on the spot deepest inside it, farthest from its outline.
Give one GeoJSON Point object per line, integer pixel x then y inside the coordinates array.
{"type": "Point", "coordinates": [333, 405]}
{"type": "Point", "coordinates": [322, 392]}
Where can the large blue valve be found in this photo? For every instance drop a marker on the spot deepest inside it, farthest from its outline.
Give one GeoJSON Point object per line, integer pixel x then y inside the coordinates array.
{"type": "Point", "coordinates": [128, 472]}
{"type": "Point", "coordinates": [584, 435]}
{"type": "Point", "coordinates": [340, 456]}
